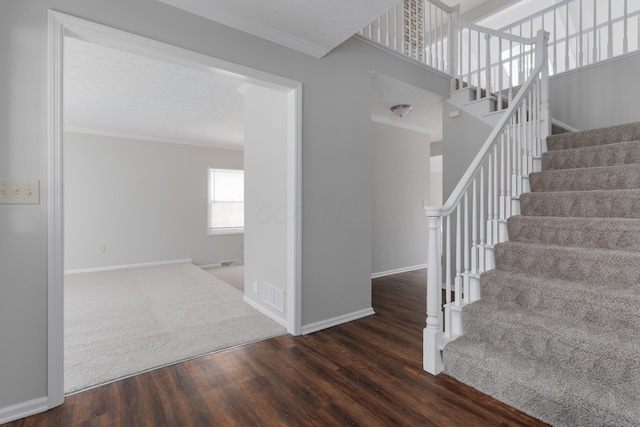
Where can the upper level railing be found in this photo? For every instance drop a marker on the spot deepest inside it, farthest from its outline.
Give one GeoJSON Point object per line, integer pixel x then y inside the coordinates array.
{"type": "Point", "coordinates": [430, 32]}
{"type": "Point", "coordinates": [419, 29]}
{"type": "Point", "coordinates": [584, 32]}
{"type": "Point", "coordinates": [581, 33]}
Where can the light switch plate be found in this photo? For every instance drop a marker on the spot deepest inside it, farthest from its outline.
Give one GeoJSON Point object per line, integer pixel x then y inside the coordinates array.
{"type": "Point", "coordinates": [19, 192]}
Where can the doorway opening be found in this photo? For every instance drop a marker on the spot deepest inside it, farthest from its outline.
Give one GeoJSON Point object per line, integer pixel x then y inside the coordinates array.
{"type": "Point", "coordinates": [62, 27]}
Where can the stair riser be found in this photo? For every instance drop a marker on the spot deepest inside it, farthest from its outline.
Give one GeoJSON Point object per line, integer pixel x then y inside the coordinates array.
{"type": "Point", "coordinates": [527, 392]}
{"type": "Point", "coordinates": [588, 138]}
{"type": "Point", "coordinates": [616, 269]}
{"type": "Point", "coordinates": [616, 312]}
{"type": "Point", "coordinates": [601, 204]}
{"type": "Point", "coordinates": [580, 355]}
{"type": "Point", "coordinates": [618, 234]}
{"type": "Point", "coordinates": [611, 178]}
{"type": "Point", "coordinates": [607, 155]}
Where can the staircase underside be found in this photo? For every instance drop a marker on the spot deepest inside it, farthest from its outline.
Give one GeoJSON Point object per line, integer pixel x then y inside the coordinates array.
{"type": "Point", "coordinates": [557, 332]}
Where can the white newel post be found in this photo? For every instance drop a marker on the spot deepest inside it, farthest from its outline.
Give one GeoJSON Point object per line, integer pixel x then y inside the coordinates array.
{"type": "Point", "coordinates": [545, 101]}
{"type": "Point", "coordinates": [432, 357]}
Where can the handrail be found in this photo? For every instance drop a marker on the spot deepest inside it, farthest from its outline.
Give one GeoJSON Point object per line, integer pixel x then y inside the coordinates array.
{"type": "Point", "coordinates": [483, 199]}
{"type": "Point", "coordinates": [446, 8]}
{"type": "Point", "coordinates": [457, 193]}
{"type": "Point", "coordinates": [533, 15]}
{"type": "Point", "coordinates": [498, 33]}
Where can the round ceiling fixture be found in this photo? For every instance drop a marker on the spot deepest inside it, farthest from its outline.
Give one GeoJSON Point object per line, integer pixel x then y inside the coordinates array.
{"type": "Point", "coordinates": [401, 110]}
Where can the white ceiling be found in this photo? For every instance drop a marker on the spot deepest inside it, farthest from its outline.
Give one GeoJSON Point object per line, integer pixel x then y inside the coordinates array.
{"type": "Point", "coordinates": [112, 92]}
{"type": "Point", "coordinates": [426, 115]}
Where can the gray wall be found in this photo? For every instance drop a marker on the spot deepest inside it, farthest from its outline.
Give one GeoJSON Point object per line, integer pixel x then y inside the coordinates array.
{"type": "Point", "coordinates": [336, 162]}
{"type": "Point", "coordinates": [400, 184]}
{"type": "Point", "coordinates": [601, 95]}
{"type": "Point", "coordinates": [462, 137]}
{"type": "Point", "coordinates": [145, 201]}
{"type": "Point", "coordinates": [265, 157]}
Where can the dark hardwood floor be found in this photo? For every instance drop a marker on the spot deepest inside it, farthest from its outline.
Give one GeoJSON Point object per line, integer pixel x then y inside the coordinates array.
{"type": "Point", "coordinates": [364, 373]}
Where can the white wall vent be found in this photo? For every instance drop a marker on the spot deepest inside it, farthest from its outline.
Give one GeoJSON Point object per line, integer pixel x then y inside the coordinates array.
{"type": "Point", "coordinates": [273, 296]}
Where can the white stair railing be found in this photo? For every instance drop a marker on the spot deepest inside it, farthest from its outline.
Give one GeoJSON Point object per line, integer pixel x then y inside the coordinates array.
{"type": "Point", "coordinates": [463, 232]}
{"type": "Point", "coordinates": [418, 29]}
{"type": "Point", "coordinates": [492, 64]}
{"type": "Point", "coordinates": [584, 32]}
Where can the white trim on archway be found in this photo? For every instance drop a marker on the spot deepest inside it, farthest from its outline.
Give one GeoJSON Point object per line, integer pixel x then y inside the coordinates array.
{"type": "Point", "coordinates": [61, 25]}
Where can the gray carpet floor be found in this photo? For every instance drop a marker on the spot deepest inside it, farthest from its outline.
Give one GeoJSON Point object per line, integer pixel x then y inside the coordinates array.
{"type": "Point", "coordinates": [123, 322]}
{"type": "Point", "coordinates": [557, 332]}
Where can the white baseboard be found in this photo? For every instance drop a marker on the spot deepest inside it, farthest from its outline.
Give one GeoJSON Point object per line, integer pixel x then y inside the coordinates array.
{"type": "Point", "coordinates": [264, 311]}
{"type": "Point", "coordinates": [398, 270]}
{"type": "Point", "coordinates": [120, 267]}
{"type": "Point", "coordinates": [324, 324]}
{"type": "Point", "coordinates": [563, 125]}
{"type": "Point", "coordinates": [233, 262]}
{"type": "Point", "coordinates": [24, 409]}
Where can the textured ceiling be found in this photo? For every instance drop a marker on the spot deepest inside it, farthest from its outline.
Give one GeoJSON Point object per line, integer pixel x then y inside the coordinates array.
{"type": "Point", "coordinates": [310, 26]}
{"type": "Point", "coordinates": [426, 115]}
{"type": "Point", "coordinates": [108, 91]}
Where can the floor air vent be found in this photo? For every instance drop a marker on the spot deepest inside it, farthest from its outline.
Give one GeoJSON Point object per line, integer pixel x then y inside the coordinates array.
{"type": "Point", "coordinates": [273, 296]}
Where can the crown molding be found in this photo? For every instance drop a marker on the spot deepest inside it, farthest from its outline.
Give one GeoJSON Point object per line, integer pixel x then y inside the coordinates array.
{"type": "Point", "coordinates": [124, 135]}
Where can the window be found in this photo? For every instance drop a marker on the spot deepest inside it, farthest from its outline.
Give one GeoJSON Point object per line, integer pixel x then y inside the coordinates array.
{"type": "Point", "coordinates": [226, 201]}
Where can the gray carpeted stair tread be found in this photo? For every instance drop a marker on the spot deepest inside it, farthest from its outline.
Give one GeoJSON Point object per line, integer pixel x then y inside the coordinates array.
{"type": "Point", "coordinates": [585, 179]}
{"type": "Point", "coordinates": [581, 348]}
{"type": "Point", "coordinates": [619, 309]}
{"type": "Point", "coordinates": [605, 233]}
{"type": "Point", "coordinates": [616, 269]}
{"type": "Point", "coordinates": [556, 333]}
{"type": "Point", "coordinates": [595, 203]}
{"type": "Point", "coordinates": [545, 392]}
{"type": "Point", "coordinates": [622, 153]}
{"type": "Point", "coordinates": [592, 137]}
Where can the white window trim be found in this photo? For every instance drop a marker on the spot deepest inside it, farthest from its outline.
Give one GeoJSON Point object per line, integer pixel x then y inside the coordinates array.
{"type": "Point", "coordinates": [224, 231]}
{"type": "Point", "coordinates": [219, 231]}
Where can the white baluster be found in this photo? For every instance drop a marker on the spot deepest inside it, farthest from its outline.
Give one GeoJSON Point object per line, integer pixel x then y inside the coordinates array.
{"type": "Point", "coordinates": [448, 276]}
{"type": "Point", "coordinates": [497, 197]}
{"type": "Point", "coordinates": [610, 41]}
{"type": "Point", "coordinates": [479, 88]}
{"type": "Point", "coordinates": [481, 265]}
{"type": "Point", "coordinates": [487, 40]}
{"type": "Point", "coordinates": [580, 55]}
{"type": "Point", "coordinates": [500, 72]}
{"type": "Point", "coordinates": [474, 227]}
{"type": "Point", "coordinates": [474, 284]}
{"type": "Point", "coordinates": [555, 43]}
{"type": "Point", "coordinates": [566, 44]}
{"type": "Point", "coordinates": [460, 61]}
{"type": "Point", "coordinates": [510, 71]}
{"type": "Point", "coordinates": [595, 32]}
{"type": "Point", "coordinates": [467, 250]}
{"type": "Point", "coordinates": [441, 40]}
{"type": "Point", "coordinates": [458, 278]}
{"type": "Point", "coordinates": [625, 39]}
{"type": "Point", "coordinates": [469, 56]}
{"type": "Point", "coordinates": [430, 30]}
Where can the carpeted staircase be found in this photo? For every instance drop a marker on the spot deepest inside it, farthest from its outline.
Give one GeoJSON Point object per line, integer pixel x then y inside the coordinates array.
{"type": "Point", "coordinates": [557, 332]}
